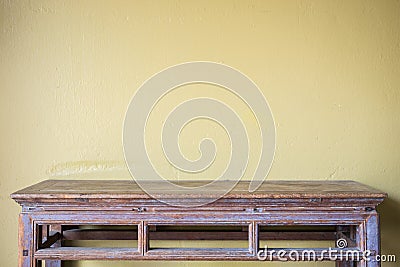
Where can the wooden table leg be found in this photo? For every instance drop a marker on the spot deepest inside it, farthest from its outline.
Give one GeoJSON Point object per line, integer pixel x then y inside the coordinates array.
{"type": "Point", "coordinates": [368, 239]}
{"type": "Point", "coordinates": [25, 241]}
{"type": "Point", "coordinates": [373, 239]}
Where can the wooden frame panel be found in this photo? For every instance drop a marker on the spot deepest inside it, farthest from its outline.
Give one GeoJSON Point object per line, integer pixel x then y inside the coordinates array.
{"type": "Point", "coordinates": [47, 209]}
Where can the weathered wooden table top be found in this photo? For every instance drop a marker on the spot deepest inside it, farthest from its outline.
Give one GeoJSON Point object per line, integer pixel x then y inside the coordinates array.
{"type": "Point", "coordinates": [96, 189]}
{"type": "Point", "coordinates": [348, 206]}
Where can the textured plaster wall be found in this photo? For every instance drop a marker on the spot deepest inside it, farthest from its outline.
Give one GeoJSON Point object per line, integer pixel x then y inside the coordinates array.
{"type": "Point", "coordinates": [329, 69]}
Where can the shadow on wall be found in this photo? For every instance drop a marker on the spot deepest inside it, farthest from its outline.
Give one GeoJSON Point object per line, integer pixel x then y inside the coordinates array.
{"type": "Point", "coordinates": [389, 211]}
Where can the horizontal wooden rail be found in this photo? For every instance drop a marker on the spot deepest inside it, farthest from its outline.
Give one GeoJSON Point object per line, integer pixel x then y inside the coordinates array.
{"type": "Point", "coordinates": [86, 253]}
{"type": "Point", "coordinates": [72, 253]}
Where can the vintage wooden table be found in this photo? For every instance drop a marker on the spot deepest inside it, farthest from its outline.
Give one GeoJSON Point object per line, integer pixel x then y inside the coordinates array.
{"type": "Point", "coordinates": [57, 213]}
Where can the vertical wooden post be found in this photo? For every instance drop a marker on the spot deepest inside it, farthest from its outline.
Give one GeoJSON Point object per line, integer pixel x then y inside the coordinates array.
{"type": "Point", "coordinates": [253, 238]}
{"type": "Point", "coordinates": [344, 263]}
{"type": "Point", "coordinates": [361, 244]}
{"type": "Point", "coordinates": [25, 240]}
{"type": "Point", "coordinates": [373, 239]}
{"type": "Point", "coordinates": [368, 240]}
{"type": "Point", "coordinates": [37, 242]}
{"type": "Point", "coordinates": [143, 238]}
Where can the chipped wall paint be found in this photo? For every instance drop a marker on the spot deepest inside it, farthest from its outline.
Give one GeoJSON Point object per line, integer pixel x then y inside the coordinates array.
{"type": "Point", "coordinates": [89, 169]}
{"type": "Point", "coordinates": [329, 69]}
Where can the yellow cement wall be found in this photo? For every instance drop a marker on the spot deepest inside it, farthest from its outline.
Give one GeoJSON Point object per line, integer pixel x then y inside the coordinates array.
{"type": "Point", "coordinates": [329, 69]}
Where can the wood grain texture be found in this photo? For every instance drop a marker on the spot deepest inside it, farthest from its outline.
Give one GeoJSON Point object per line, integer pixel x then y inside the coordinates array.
{"type": "Point", "coordinates": [55, 210]}
{"type": "Point", "coordinates": [25, 240]}
{"type": "Point", "coordinates": [130, 189]}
